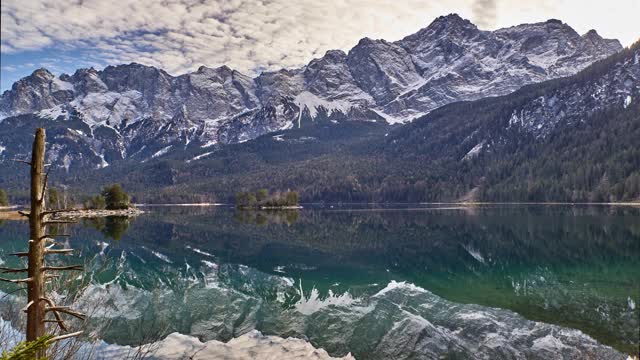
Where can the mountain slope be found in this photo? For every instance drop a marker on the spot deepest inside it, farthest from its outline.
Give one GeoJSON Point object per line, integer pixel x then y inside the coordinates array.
{"type": "Point", "coordinates": [570, 139]}
{"type": "Point", "coordinates": [138, 113]}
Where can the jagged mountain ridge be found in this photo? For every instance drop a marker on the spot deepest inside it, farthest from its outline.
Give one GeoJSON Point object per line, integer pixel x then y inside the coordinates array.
{"type": "Point", "coordinates": [139, 112]}
{"type": "Point", "coordinates": [572, 139]}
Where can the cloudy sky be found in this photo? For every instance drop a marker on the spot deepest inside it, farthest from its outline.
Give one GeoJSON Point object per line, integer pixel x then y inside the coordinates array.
{"type": "Point", "coordinates": [254, 35]}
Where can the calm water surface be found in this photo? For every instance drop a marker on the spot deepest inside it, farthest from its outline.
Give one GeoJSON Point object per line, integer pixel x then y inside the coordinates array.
{"type": "Point", "coordinates": [379, 283]}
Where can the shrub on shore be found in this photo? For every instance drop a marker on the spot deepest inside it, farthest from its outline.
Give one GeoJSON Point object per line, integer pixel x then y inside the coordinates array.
{"type": "Point", "coordinates": [4, 199]}
{"type": "Point", "coordinates": [112, 197]}
{"type": "Point", "coordinates": [115, 197]}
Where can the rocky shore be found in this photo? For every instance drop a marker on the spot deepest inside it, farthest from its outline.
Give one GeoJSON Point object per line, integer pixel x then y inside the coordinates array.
{"type": "Point", "coordinates": [76, 214]}
{"type": "Point", "coordinates": [96, 213]}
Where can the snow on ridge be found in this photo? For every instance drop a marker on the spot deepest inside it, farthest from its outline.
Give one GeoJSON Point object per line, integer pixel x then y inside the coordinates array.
{"type": "Point", "coordinates": [114, 107]}
{"type": "Point", "coordinates": [313, 102]}
{"type": "Point", "coordinates": [200, 156]}
{"type": "Point", "coordinates": [627, 101]}
{"type": "Point", "coordinates": [476, 254]}
{"type": "Point", "coordinates": [388, 118]}
{"type": "Point", "coordinates": [201, 252]}
{"type": "Point", "coordinates": [62, 85]}
{"type": "Point", "coordinates": [162, 257]}
{"type": "Point", "coordinates": [399, 285]}
{"type": "Point", "coordinates": [53, 113]}
{"type": "Point", "coordinates": [159, 255]}
{"type": "Point", "coordinates": [162, 151]}
{"type": "Point", "coordinates": [103, 163]}
{"type": "Point", "coordinates": [209, 144]}
{"type": "Point", "coordinates": [2, 149]}
{"type": "Point", "coordinates": [314, 303]}
{"type": "Point", "coordinates": [474, 152]}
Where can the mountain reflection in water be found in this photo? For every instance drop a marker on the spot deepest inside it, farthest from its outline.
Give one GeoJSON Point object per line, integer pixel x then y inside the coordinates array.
{"type": "Point", "coordinates": [377, 283]}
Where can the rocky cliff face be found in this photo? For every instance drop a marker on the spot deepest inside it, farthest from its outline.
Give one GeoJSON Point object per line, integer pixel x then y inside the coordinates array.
{"type": "Point", "coordinates": [140, 112]}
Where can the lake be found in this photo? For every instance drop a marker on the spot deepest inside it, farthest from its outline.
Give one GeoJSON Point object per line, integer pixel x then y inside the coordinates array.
{"type": "Point", "coordinates": [391, 282]}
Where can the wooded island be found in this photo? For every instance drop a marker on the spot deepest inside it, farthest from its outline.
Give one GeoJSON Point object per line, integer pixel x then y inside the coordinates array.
{"type": "Point", "coordinates": [263, 200]}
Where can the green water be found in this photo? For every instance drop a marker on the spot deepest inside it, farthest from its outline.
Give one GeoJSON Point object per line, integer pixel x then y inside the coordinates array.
{"type": "Point", "coordinates": [227, 272]}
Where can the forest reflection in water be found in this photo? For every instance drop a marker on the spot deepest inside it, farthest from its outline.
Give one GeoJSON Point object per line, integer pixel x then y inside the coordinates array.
{"type": "Point", "coordinates": [574, 266]}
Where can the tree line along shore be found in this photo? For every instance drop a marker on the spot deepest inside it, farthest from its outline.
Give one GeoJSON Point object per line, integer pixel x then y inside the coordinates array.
{"type": "Point", "coordinates": [113, 200]}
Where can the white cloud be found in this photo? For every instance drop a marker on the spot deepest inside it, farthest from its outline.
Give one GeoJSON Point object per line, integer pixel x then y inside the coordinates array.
{"type": "Point", "coordinates": [180, 35]}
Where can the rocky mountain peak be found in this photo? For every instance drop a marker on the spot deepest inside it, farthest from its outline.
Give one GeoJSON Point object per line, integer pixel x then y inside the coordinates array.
{"type": "Point", "coordinates": [592, 34]}
{"type": "Point", "coordinates": [224, 69]}
{"type": "Point", "coordinates": [88, 80]}
{"type": "Point", "coordinates": [452, 20]}
{"type": "Point", "coordinates": [449, 60]}
{"type": "Point", "coordinates": [594, 39]}
{"type": "Point", "coordinates": [367, 42]}
{"type": "Point", "coordinates": [447, 32]}
{"type": "Point", "coordinates": [331, 56]}
{"type": "Point", "coordinates": [41, 75]}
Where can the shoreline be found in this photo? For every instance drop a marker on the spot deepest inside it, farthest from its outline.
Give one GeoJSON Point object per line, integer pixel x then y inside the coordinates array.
{"type": "Point", "coordinates": [472, 203]}
{"type": "Point", "coordinates": [181, 204]}
{"type": "Point", "coordinates": [457, 203]}
{"type": "Point", "coordinates": [268, 208]}
{"type": "Point", "coordinates": [95, 213]}
{"type": "Point", "coordinates": [74, 214]}
{"type": "Point", "coordinates": [11, 212]}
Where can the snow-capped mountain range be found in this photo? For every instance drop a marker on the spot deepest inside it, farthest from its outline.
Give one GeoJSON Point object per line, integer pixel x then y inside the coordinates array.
{"type": "Point", "coordinates": [141, 112]}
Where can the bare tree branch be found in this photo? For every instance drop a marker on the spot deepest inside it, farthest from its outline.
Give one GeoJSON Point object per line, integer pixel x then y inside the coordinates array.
{"type": "Point", "coordinates": [24, 309]}
{"type": "Point", "coordinates": [22, 161]}
{"type": "Point", "coordinates": [17, 281]}
{"type": "Point", "coordinates": [57, 338]}
{"type": "Point", "coordinates": [53, 235]}
{"type": "Point", "coordinates": [19, 254]}
{"type": "Point", "coordinates": [5, 270]}
{"type": "Point", "coordinates": [66, 310]}
{"type": "Point", "coordinates": [55, 313]}
{"type": "Point", "coordinates": [62, 268]}
{"type": "Point", "coordinates": [47, 251]}
{"type": "Point", "coordinates": [58, 251]}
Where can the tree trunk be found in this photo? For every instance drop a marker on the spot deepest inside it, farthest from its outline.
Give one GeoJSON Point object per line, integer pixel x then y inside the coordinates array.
{"type": "Point", "coordinates": [35, 312]}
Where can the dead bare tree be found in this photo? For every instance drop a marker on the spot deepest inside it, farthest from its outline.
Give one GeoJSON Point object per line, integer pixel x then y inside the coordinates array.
{"type": "Point", "coordinates": [38, 271]}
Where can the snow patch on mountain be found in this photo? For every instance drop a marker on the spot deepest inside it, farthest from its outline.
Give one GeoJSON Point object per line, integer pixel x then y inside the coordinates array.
{"type": "Point", "coordinates": [627, 101]}
{"type": "Point", "coordinates": [53, 113]}
{"type": "Point", "coordinates": [60, 85]}
{"type": "Point", "coordinates": [201, 156]}
{"type": "Point", "coordinates": [209, 143]}
{"type": "Point", "coordinates": [103, 163]}
{"type": "Point", "coordinates": [110, 108]}
{"type": "Point", "coordinates": [311, 304]}
{"type": "Point", "coordinates": [162, 151]}
{"type": "Point", "coordinates": [475, 151]}
{"type": "Point", "coordinates": [307, 100]}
